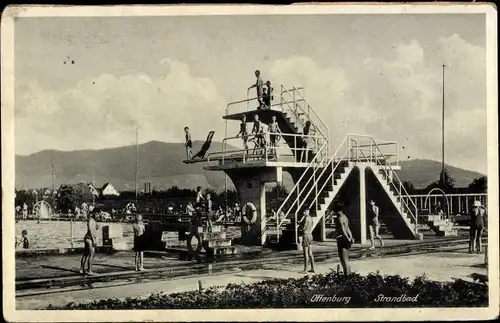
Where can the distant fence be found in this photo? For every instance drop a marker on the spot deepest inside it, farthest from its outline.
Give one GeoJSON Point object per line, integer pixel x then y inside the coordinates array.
{"type": "Point", "coordinates": [458, 203]}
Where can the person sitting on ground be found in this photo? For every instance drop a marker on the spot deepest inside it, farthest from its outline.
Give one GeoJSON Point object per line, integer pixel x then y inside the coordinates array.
{"type": "Point", "coordinates": [477, 224]}
{"type": "Point", "coordinates": [268, 95]}
{"type": "Point", "coordinates": [344, 237]}
{"type": "Point", "coordinates": [23, 240]}
{"type": "Point", "coordinates": [90, 243]}
{"type": "Point", "coordinates": [307, 239]}
{"type": "Point", "coordinates": [374, 224]}
{"type": "Point", "coordinates": [259, 84]}
{"type": "Point", "coordinates": [243, 132]}
{"type": "Point", "coordinates": [188, 144]}
{"type": "Point", "coordinates": [139, 229]}
{"type": "Point", "coordinates": [205, 146]}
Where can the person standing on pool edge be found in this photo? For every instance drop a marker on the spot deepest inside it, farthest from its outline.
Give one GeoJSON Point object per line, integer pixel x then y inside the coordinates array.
{"type": "Point", "coordinates": [307, 238]}
{"type": "Point", "coordinates": [139, 229]}
{"type": "Point", "coordinates": [374, 224]}
{"type": "Point", "coordinates": [344, 238]}
{"type": "Point", "coordinates": [89, 241]}
{"type": "Point", "coordinates": [477, 222]}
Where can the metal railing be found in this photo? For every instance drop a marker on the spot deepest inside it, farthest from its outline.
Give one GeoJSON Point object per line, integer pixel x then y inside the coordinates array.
{"type": "Point", "coordinates": [377, 156]}
{"type": "Point", "coordinates": [267, 152]}
{"type": "Point", "coordinates": [459, 203]}
{"type": "Point", "coordinates": [318, 159]}
{"type": "Point", "coordinates": [297, 98]}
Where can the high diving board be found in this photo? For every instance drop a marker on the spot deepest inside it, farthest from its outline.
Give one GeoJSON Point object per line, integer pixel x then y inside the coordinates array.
{"type": "Point", "coordinates": [264, 115]}
{"type": "Point", "coordinates": [194, 161]}
{"type": "Point", "coordinates": [232, 157]}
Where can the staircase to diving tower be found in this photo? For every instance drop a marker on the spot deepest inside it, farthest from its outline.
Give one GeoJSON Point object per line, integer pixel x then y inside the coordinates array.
{"type": "Point", "coordinates": [360, 164]}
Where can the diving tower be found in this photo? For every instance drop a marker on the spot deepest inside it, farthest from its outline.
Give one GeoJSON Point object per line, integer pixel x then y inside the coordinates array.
{"type": "Point", "coordinates": [358, 169]}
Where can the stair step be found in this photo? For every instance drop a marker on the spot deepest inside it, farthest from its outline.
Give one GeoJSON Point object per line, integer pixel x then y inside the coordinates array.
{"type": "Point", "coordinates": [218, 243]}
{"type": "Point", "coordinates": [447, 233]}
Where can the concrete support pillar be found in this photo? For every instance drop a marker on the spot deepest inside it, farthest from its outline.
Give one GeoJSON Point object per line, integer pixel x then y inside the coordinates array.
{"type": "Point", "coordinates": [251, 188]}
{"type": "Point", "coordinates": [319, 233]}
{"type": "Point", "coordinates": [362, 203]}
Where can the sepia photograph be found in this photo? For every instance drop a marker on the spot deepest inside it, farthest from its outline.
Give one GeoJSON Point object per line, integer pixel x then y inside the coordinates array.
{"type": "Point", "coordinates": [305, 162]}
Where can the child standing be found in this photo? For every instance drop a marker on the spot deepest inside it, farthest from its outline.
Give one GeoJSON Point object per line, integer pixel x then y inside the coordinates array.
{"type": "Point", "coordinates": [139, 229]}
{"type": "Point", "coordinates": [189, 144]}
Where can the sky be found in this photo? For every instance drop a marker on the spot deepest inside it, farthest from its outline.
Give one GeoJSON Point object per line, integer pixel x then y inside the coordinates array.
{"type": "Point", "coordinates": [371, 74]}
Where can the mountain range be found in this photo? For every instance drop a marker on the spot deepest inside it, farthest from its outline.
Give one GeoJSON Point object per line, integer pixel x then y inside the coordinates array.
{"type": "Point", "coordinates": [161, 164]}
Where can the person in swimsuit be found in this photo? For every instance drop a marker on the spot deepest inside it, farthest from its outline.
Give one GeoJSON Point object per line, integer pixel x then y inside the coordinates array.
{"type": "Point", "coordinates": [243, 132]}
{"type": "Point", "coordinates": [268, 95]}
{"type": "Point", "coordinates": [89, 241]}
{"type": "Point", "coordinates": [374, 224]}
{"type": "Point", "coordinates": [209, 211]}
{"type": "Point", "coordinates": [23, 240]}
{"type": "Point", "coordinates": [344, 238]}
{"type": "Point", "coordinates": [307, 227]}
{"type": "Point", "coordinates": [139, 229]}
{"type": "Point", "coordinates": [189, 144]}
{"type": "Point", "coordinates": [274, 136]}
{"type": "Point", "coordinates": [307, 142]}
{"type": "Point", "coordinates": [190, 209]}
{"type": "Point", "coordinates": [205, 146]}
{"type": "Point", "coordinates": [477, 222]}
{"type": "Point", "coordinates": [258, 131]}
{"type": "Point", "coordinates": [259, 84]}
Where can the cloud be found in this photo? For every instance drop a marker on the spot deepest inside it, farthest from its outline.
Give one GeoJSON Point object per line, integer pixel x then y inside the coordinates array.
{"type": "Point", "coordinates": [396, 97]}
{"type": "Point", "coordinates": [103, 111]}
{"type": "Point", "coordinates": [401, 98]}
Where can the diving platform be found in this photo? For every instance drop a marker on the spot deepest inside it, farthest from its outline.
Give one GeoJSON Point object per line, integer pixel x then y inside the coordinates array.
{"type": "Point", "coordinates": [288, 135]}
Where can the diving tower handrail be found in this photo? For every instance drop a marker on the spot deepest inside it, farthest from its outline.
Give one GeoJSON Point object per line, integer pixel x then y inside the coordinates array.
{"type": "Point", "coordinates": [379, 143]}
{"type": "Point", "coordinates": [335, 164]}
{"type": "Point", "coordinates": [386, 168]}
{"type": "Point", "coordinates": [297, 187]}
{"type": "Point", "coordinates": [309, 109]}
{"type": "Point", "coordinates": [268, 147]}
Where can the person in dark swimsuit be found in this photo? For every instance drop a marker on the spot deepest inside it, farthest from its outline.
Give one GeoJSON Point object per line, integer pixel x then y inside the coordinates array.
{"type": "Point", "coordinates": [268, 95]}
{"type": "Point", "coordinates": [307, 238]}
{"type": "Point", "coordinates": [206, 146]}
{"type": "Point", "coordinates": [274, 135]}
{"type": "Point", "coordinates": [139, 229]}
{"type": "Point", "coordinates": [477, 224]}
{"type": "Point", "coordinates": [344, 238]}
{"type": "Point", "coordinates": [243, 132]}
{"type": "Point", "coordinates": [307, 141]}
{"type": "Point", "coordinates": [89, 241]}
{"type": "Point", "coordinates": [189, 144]}
{"type": "Point", "coordinates": [374, 224]}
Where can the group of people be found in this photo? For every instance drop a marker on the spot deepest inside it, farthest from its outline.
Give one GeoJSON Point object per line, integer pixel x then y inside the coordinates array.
{"type": "Point", "coordinates": [90, 243]}
{"type": "Point", "coordinates": [23, 211]}
{"type": "Point", "coordinates": [263, 135]}
{"type": "Point", "coordinates": [343, 236]}
{"type": "Point", "coordinates": [264, 92]}
{"type": "Point", "coordinates": [189, 145]}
